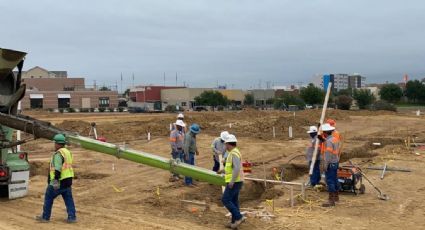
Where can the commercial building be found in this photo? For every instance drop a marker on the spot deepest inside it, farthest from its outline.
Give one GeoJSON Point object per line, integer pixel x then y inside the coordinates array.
{"type": "Point", "coordinates": [54, 90]}
{"type": "Point", "coordinates": [148, 96]}
{"type": "Point", "coordinates": [261, 96]}
{"type": "Point", "coordinates": [185, 97]}
{"type": "Point", "coordinates": [339, 81]}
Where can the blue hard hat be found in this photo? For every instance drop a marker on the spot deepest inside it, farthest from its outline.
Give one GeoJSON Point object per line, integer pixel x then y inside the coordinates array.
{"type": "Point", "coordinates": [194, 128]}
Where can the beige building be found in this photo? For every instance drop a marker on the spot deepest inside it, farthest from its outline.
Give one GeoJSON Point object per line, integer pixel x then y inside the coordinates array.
{"type": "Point", "coordinates": [54, 90]}
{"type": "Point", "coordinates": [185, 97]}
{"type": "Point", "coordinates": [39, 72]}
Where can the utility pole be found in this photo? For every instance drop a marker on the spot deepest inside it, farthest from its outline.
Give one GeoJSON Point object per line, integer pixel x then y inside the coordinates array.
{"type": "Point", "coordinates": [176, 79]}
{"type": "Point", "coordinates": [121, 84]}
{"type": "Point", "coordinates": [133, 79]}
{"type": "Point", "coordinates": [164, 78]}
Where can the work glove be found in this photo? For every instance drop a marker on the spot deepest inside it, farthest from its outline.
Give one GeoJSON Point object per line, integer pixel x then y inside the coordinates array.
{"type": "Point", "coordinates": [56, 185]}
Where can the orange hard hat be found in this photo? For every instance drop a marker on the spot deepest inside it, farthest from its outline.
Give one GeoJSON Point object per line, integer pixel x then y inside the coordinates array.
{"type": "Point", "coordinates": [332, 122]}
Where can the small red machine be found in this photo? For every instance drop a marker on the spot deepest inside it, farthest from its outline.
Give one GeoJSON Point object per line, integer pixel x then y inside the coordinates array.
{"type": "Point", "coordinates": [350, 179]}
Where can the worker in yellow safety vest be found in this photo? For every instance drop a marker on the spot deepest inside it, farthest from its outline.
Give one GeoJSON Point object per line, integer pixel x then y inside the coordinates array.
{"type": "Point", "coordinates": [59, 181]}
{"type": "Point", "coordinates": [233, 176]}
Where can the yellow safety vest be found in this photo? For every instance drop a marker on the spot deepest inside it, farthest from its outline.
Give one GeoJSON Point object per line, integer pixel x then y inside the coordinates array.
{"type": "Point", "coordinates": [228, 168]}
{"type": "Point", "coordinates": [66, 171]}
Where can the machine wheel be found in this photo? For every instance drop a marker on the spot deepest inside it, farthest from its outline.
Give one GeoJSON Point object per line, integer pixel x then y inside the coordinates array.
{"type": "Point", "coordinates": [362, 189]}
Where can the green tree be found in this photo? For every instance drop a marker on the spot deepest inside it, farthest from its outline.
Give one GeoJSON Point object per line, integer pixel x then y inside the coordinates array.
{"type": "Point", "coordinates": [364, 98]}
{"type": "Point", "coordinates": [415, 91]}
{"type": "Point", "coordinates": [249, 99]}
{"type": "Point", "coordinates": [212, 98]}
{"type": "Point", "coordinates": [287, 99]}
{"type": "Point", "coordinates": [346, 92]}
{"type": "Point", "coordinates": [312, 94]}
{"type": "Point", "coordinates": [343, 102]}
{"type": "Point", "coordinates": [391, 93]}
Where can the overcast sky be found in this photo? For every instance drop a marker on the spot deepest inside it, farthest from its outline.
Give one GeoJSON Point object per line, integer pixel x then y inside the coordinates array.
{"type": "Point", "coordinates": [233, 42]}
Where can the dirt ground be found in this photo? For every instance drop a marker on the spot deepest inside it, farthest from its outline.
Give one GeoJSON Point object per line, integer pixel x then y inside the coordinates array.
{"type": "Point", "coordinates": [112, 193]}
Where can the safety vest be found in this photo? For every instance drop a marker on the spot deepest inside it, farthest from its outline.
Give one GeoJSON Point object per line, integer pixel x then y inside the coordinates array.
{"type": "Point", "coordinates": [66, 171]}
{"type": "Point", "coordinates": [228, 168]}
{"type": "Point", "coordinates": [331, 150]}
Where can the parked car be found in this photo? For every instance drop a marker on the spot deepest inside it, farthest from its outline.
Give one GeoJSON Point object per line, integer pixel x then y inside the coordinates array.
{"type": "Point", "coordinates": [200, 108]}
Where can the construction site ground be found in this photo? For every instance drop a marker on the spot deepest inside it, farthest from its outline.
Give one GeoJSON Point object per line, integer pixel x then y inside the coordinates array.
{"type": "Point", "coordinates": [117, 194]}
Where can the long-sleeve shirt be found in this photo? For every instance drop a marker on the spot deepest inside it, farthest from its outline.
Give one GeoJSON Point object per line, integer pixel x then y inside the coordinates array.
{"type": "Point", "coordinates": [331, 146]}
{"type": "Point", "coordinates": [218, 147]}
{"type": "Point", "coordinates": [190, 143]}
{"type": "Point", "coordinates": [236, 163]}
{"type": "Point", "coordinates": [176, 140]}
{"type": "Point", "coordinates": [310, 149]}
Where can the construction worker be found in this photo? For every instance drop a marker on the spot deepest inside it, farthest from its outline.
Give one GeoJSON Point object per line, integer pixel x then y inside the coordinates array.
{"type": "Point", "coordinates": [190, 149]}
{"type": "Point", "coordinates": [233, 176]}
{"type": "Point", "coordinates": [335, 133]}
{"type": "Point", "coordinates": [218, 148]}
{"type": "Point", "coordinates": [331, 163]}
{"type": "Point", "coordinates": [176, 142]}
{"type": "Point", "coordinates": [180, 117]}
{"type": "Point", "coordinates": [315, 177]}
{"type": "Point", "coordinates": [59, 181]}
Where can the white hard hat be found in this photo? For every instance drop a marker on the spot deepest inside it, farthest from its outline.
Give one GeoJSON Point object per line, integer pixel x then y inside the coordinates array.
{"type": "Point", "coordinates": [230, 139]}
{"type": "Point", "coordinates": [180, 115]}
{"type": "Point", "coordinates": [223, 135]}
{"type": "Point", "coordinates": [312, 129]}
{"type": "Point", "coordinates": [180, 123]}
{"type": "Point", "coordinates": [327, 127]}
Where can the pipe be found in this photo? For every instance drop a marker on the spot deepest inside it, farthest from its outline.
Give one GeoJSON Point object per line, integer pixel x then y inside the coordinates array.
{"type": "Point", "coordinates": [148, 159]}
{"type": "Point", "coordinates": [322, 118]}
{"type": "Point", "coordinates": [46, 130]}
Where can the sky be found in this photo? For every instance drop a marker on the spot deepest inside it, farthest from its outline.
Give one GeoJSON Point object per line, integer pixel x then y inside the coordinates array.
{"type": "Point", "coordinates": [238, 43]}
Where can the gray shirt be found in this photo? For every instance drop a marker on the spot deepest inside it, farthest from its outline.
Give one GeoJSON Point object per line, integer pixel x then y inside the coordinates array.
{"type": "Point", "coordinates": [218, 147]}
{"type": "Point", "coordinates": [236, 162]}
{"type": "Point", "coordinates": [190, 143]}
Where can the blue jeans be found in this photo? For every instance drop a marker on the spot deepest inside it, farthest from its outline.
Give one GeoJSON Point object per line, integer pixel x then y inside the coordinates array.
{"type": "Point", "coordinates": [177, 155]}
{"type": "Point", "coordinates": [331, 177]}
{"type": "Point", "coordinates": [191, 161]}
{"type": "Point", "coordinates": [315, 177]}
{"type": "Point", "coordinates": [230, 200]}
{"type": "Point", "coordinates": [50, 196]}
{"type": "Point", "coordinates": [216, 166]}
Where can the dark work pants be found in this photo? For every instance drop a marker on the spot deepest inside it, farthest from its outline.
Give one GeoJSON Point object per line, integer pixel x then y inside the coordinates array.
{"type": "Point", "coordinates": [230, 200]}
{"type": "Point", "coordinates": [51, 195]}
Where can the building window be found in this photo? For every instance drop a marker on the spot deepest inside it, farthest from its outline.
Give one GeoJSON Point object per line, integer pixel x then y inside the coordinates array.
{"type": "Point", "coordinates": [32, 76]}
{"type": "Point", "coordinates": [184, 103]}
{"type": "Point", "coordinates": [64, 103]}
{"type": "Point", "coordinates": [68, 88]}
{"type": "Point", "coordinates": [103, 102]}
{"type": "Point", "coordinates": [36, 103]}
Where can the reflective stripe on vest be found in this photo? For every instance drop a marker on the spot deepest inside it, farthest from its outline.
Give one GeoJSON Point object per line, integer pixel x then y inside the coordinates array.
{"type": "Point", "coordinates": [67, 171]}
{"type": "Point", "coordinates": [228, 168]}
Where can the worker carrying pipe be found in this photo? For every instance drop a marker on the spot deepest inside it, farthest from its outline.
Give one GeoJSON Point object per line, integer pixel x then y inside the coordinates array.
{"type": "Point", "coordinates": [190, 149]}
{"type": "Point", "coordinates": [59, 181]}
{"type": "Point", "coordinates": [219, 149]}
{"type": "Point", "coordinates": [233, 175]}
{"type": "Point", "coordinates": [315, 177]}
{"type": "Point", "coordinates": [176, 142]}
{"type": "Point", "coordinates": [331, 163]}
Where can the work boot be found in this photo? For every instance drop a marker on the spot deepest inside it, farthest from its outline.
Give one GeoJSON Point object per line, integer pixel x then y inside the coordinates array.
{"type": "Point", "coordinates": [238, 222]}
{"type": "Point", "coordinates": [336, 196]}
{"type": "Point", "coordinates": [71, 221]}
{"type": "Point", "coordinates": [331, 201]}
{"type": "Point", "coordinates": [41, 219]}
